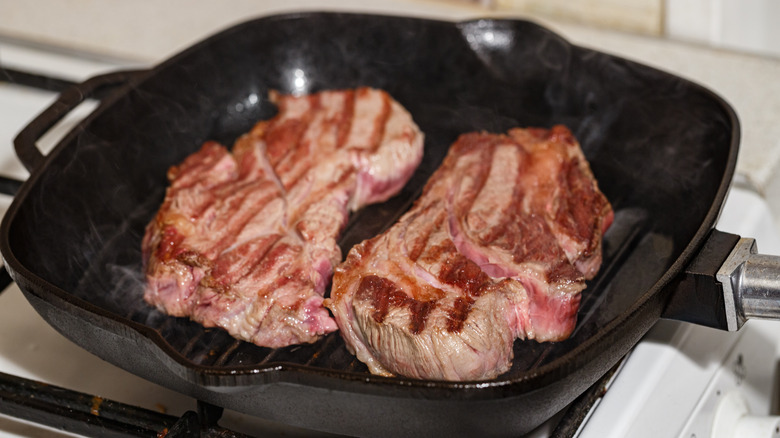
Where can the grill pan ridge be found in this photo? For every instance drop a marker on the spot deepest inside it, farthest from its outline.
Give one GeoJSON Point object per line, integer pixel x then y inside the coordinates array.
{"type": "Point", "coordinates": [657, 144]}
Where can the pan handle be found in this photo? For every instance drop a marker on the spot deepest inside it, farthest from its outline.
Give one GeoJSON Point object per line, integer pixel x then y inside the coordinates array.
{"type": "Point", "coordinates": [725, 284]}
{"type": "Point", "coordinates": [751, 284]}
{"type": "Point", "coordinates": [95, 87]}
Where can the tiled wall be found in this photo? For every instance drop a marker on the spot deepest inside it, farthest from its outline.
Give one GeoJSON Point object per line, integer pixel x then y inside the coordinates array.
{"type": "Point", "coordinates": [148, 29]}
{"type": "Point", "coordinates": [751, 26]}
{"type": "Point", "coordinates": [743, 25]}
{"type": "Point", "coordinates": [639, 16]}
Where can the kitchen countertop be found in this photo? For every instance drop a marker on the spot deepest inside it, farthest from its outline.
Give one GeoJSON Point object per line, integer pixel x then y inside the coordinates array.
{"type": "Point", "coordinates": [146, 32]}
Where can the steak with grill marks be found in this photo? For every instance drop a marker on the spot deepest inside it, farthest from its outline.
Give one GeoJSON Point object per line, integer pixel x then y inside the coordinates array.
{"type": "Point", "coordinates": [246, 241]}
{"type": "Point", "coordinates": [498, 247]}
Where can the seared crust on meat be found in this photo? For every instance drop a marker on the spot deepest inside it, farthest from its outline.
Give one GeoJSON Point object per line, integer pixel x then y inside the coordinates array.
{"type": "Point", "coordinates": [497, 248]}
{"type": "Point", "coordinates": [246, 241]}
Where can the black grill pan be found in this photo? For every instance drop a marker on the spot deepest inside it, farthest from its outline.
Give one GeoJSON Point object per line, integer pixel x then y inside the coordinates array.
{"type": "Point", "coordinates": [662, 148]}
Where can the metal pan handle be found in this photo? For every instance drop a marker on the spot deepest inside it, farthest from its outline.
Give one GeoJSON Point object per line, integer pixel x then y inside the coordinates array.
{"type": "Point", "coordinates": [751, 284]}
{"type": "Point", "coordinates": [95, 87]}
{"type": "Point", "coordinates": [725, 284]}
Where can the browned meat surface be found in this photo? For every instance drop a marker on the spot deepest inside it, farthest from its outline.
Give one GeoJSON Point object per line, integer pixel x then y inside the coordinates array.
{"type": "Point", "coordinates": [246, 241]}
{"type": "Point", "coordinates": [498, 247]}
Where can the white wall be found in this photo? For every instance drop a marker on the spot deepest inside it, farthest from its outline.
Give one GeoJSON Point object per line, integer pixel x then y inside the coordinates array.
{"type": "Point", "coordinates": [746, 25]}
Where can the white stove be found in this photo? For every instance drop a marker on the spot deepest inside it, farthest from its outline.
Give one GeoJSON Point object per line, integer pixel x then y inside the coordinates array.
{"type": "Point", "coordinates": [682, 380]}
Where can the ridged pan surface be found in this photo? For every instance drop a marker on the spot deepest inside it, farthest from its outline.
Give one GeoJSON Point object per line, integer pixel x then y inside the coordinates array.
{"type": "Point", "coordinates": [662, 149]}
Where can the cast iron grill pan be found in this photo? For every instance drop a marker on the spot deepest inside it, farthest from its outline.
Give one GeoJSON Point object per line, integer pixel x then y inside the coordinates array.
{"type": "Point", "coordinates": [663, 150]}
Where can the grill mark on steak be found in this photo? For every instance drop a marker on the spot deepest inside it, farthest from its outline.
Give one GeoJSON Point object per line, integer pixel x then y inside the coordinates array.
{"type": "Point", "coordinates": [202, 170]}
{"type": "Point", "coordinates": [232, 266]}
{"type": "Point", "coordinates": [464, 274]}
{"type": "Point", "coordinates": [344, 123]}
{"type": "Point", "coordinates": [283, 133]}
{"type": "Point", "coordinates": [246, 241]}
{"type": "Point", "coordinates": [239, 210]}
{"type": "Point", "coordinates": [292, 166]}
{"type": "Point", "coordinates": [385, 294]}
{"type": "Point", "coordinates": [169, 246]}
{"type": "Point", "coordinates": [470, 280]}
{"type": "Point", "coordinates": [479, 153]}
{"type": "Point", "coordinates": [367, 132]}
{"type": "Point", "coordinates": [495, 224]}
{"type": "Point", "coordinates": [459, 272]}
{"type": "Point", "coordinates": [495, 249]}
{"type": "Point", "coordinates": [415, 239]}
{"type": "Point", "coordinates": [456, 316]}
{"type": "Point", "coordinates": [378, 133]}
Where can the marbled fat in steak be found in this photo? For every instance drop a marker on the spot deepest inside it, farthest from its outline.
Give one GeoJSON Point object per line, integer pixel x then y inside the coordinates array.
{"type": "Point", "coordinates": [498, 247]}
{"type": "Point", "coordinates": [246, 241]}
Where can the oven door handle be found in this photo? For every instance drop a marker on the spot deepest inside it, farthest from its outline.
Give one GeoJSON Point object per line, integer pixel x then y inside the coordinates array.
{"type": "Point", "coordinates": [97, 87]}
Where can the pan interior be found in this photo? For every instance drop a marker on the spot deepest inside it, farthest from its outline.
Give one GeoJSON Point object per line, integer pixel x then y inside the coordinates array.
{"type": "Point", "coordinates": [658, 145]}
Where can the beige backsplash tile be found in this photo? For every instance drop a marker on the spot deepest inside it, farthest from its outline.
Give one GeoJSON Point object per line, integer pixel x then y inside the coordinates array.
{"type": "Point", "coordinates": [638, 16]}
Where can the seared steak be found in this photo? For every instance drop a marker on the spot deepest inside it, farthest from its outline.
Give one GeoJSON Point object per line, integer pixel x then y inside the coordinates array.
{"type": "Point", "coordinates": [246, 240]}
{"type": "Point", "coordinates": [498, 247]}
